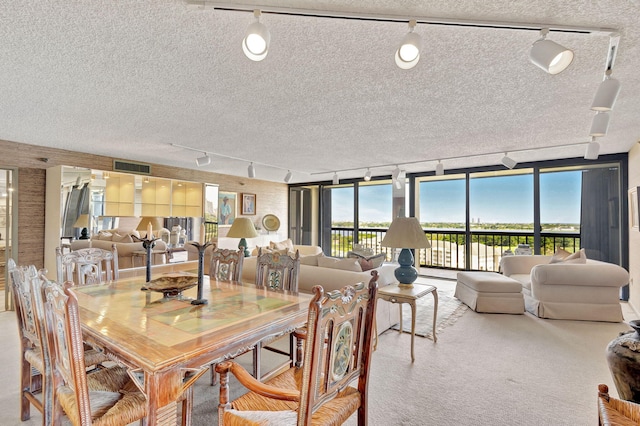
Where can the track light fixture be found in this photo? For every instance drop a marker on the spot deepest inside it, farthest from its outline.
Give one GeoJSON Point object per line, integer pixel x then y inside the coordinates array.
{"type": "Point", "coordinates": [600, 124]}
{"type": "Point", "coordinates": [205, 160]}
{"type": "Point", "coordinates": [508, 162]}
{"type": "Point", "coordinates": [335, 180]}
{"type": "Point", "coordinates": [593, 149]}
{"type": "Point", "coordinates": [439, 169]}
{"type": "Point", "coordinates": [408, 53]}
{"type": "Point", "coordinates": [606, 94]}
{"type": "Point", "coordinates": [288, 176]}
{"type": "Point", "coordinates": [251, 171]}
{"type": "Point", "coordinates": [255, 43]}
{"type": "Point", "coordinates": [367, 175]}
{"type": "Point", "coordinates": [549, 55]}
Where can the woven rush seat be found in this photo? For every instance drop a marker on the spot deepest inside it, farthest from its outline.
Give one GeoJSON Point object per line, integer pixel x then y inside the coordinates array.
{"type": "Point", "coordinates": [613, 411]}
{"type": "Point", "coordinates": [490, 292]}
{"type": "Point", "coordinates": [338, 410]}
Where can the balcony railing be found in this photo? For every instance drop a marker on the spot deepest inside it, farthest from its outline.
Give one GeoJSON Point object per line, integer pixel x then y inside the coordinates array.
{"type": "Point", "coordinates": [448, 247]}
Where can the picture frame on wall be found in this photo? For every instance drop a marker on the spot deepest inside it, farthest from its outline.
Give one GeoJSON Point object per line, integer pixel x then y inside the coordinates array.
{"type": "Point", "coordinates": [634, 212]}
{"type": "Point", "coordinates": [248, 204]}
{"type": "Point", "coordinates": [227, 208]}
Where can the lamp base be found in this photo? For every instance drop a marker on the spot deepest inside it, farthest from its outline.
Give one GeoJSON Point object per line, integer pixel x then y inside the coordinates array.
{"type": "Point", "coordinates": [406, 274]}
{"type": "Point", "coordinates": [243, 244]}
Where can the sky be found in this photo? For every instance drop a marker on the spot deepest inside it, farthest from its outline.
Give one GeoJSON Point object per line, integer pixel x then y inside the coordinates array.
{"type": "Point", "coordinates": [503, 199]}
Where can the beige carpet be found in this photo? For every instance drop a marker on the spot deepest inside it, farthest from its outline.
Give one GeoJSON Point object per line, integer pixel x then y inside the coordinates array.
{"type": "Point", "coordinates": [485, 369]}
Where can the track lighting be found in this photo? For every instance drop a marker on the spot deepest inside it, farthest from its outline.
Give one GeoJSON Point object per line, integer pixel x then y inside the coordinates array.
{"type": "Point", "coordinates": [606, 94]}
{"type": "Point", "coordinates": [251, 171]}
{"type": "Point", "coordinates": [367, 175]}
{"type": "Point", "coordinates": [593, 149]}
{"type": "Point", "coordinates": [439, 169]}
{"type": "Point", "coordinates": [508, 162]}
{"type": "Point", "coordinates": [255, 44]}
{"type": "Point", "coordinates": [408, 53]}
{"type": "Point", "coordinates": [335, 180]}
{"type": "Point", "coordinates": [288, 176]}
{"type": "Point", "coordinates": [205, 160]}
{"type": "Point", "coordinates": [549, 55]}
{"type": "Point", "coordinates": [600, 124]}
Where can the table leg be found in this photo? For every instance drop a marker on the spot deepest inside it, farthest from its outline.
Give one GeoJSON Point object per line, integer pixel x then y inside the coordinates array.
{"type": "Point", "coordinates": [435, 313]}
{"type": "Point", "coordinates": [401, 328]}
{"type": "Point", "coordinates": [413, 327]}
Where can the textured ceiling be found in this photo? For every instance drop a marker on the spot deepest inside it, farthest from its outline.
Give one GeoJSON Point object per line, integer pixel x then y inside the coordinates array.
{"type": "Point", "coordinates": [129, 78]}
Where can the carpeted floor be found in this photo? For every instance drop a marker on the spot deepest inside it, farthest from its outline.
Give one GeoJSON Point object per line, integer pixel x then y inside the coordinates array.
{"type": "Point", "coordinates": [449, 309]}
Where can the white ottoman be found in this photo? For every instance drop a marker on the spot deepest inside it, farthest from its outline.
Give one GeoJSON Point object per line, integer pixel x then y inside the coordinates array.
{"type": "Point", "coordinates": [490, 292]}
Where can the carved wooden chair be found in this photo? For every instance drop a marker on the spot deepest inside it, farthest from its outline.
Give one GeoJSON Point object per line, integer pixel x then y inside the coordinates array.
{"type": "Point", "coordinates": [33, 365]}
{"type": "Point", "coordinates": [36, 370]}
{"type": "Point", "coordinates": [87, 266]}
{"type": "Point", "coordinates": [113, 399]}
{"type": "Point", "coordinates": [226, 265]}
{"type": "Point", "coordinates": [614, 411]}
{"type": "Point", "coordinates": [275, 271]}
{"type": "Point", "coordinates": [338, 352]}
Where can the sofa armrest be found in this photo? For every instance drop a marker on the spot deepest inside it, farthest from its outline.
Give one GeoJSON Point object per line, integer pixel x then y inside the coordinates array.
{"type": "Point", "coordinates": [511, 265]}
{"type": "Point", "coordinates": [590, 274]}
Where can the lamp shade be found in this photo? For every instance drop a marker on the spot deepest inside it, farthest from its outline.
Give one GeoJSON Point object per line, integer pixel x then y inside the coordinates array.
{"type": "Point", "coordinates": [600, 124]}
{"type": "Point", "coordinates": [606, 95]}
{"type": "Point", "coordinates": [508, 162]}
{"type": "Point", "coordinates": [82, 221]}
{"type": "Point", "coordinates": [592, 151]}
{"type": "Point", "coordinates": [156, 223]}
{"type": "Point", "coordinates": [405, 232]}
{"type": "Point", "coordinates": [242, 228]}
{"type": "Point", "coordinates": [550, 56]}
{"type": "Point", "coordinates": [255, 44]}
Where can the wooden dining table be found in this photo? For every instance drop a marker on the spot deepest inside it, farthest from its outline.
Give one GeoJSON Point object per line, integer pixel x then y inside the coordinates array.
{"type": "Point", "coordinates": [161, 339]}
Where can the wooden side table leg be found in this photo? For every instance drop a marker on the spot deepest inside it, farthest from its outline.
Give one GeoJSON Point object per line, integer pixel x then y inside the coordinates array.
{"type": "Point", "coordinates": [435, 313]}
{"type": "Point", "coordinates": [413, 327]}
{"type": "Point", "coordinates": [401, 328]}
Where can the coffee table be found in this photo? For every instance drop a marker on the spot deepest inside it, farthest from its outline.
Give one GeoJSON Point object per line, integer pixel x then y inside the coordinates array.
{"type": "Point", "coordinates": [399, 293]}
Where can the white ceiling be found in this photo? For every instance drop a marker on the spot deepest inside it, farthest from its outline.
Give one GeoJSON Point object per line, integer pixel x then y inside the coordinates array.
{"type": "Point", "coordinates": [128, 78]}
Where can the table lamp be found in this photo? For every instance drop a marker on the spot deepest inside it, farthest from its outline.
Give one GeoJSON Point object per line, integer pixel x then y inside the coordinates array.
{"type": "Point", "coordinates": [155, 222]}
{"type": "Point", "coordinates": [405, 233]}
{"type": "Point", "coordinates": [82, 222]}
{"type": "Point", "coordinates": [242, 228]}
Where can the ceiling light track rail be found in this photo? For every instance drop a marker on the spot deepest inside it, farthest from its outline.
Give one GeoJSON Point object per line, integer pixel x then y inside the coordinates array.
{"type": "Point", "coordinates": [361, 16]}
{"type": "Point", "coordinates": [381, 166]}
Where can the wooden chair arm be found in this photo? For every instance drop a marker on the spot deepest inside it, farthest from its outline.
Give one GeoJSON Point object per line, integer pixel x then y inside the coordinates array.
{"type": "Point", "coordinates": [250, 382]}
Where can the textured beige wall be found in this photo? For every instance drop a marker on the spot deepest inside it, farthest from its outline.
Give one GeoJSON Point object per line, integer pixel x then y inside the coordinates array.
{"type": "Point", "coordinates": [271, 198]}
{"type": "Point", "coordinates": [634, 236]}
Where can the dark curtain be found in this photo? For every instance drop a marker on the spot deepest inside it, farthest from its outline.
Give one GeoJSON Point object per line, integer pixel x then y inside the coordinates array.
{"type": "Point", "coordinates": [326, 221]}
{"type": "Point", "coordinates": [600, 214]}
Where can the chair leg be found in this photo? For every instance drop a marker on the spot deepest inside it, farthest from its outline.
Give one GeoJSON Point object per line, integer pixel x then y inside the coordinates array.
{"type": "Point", "coordinates": [187, 407]}
{"type": "Point", "coordinates": [214, 375]}
{"type": "Point", "coordinates": [256, 361]}
{"type": "Point", "coordinates": [299, 354]}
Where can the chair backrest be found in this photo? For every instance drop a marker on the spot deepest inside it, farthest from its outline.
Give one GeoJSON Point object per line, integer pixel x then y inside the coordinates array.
{"type": "Point", "coordinates": [66, 347]}
{"type": "Point", "coordinates": [338, 345]}
{"type": "Point", "coordinates": [21, 277]}
{"type": "Point", "coordinates": [87, 266]}
{"type": "Point", "coordinates": [226, 265]}
{"type": "Point", "coordinates": [277, 271]}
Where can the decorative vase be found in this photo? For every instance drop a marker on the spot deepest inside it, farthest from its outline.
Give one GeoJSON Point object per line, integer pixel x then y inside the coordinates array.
{"type": "Point", "coordinates": [623, 356]}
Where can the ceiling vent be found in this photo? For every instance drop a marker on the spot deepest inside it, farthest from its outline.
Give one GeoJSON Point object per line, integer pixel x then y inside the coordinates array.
{"type": "Point", "coordinates": [129, 167]}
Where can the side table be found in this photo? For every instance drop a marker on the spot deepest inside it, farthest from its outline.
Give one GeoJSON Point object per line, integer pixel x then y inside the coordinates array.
{"type": "Point", "coordinates": [396, 293]}
{"type": "Point", "coordinates": [143, 254]}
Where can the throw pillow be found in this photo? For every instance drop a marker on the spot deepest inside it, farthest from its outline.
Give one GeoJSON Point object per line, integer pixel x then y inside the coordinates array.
{"type": "Point", "coordinates": [365, 264]}
{"type": "Point", "coordinates": [577, 257]}
{"type": "Point", "coordinates": [282, 245]}
{"type": "Point", "coordinates": [106, 236]}
{"type": "Point", "coordinates": [377, 260]}
{"type": "Point", "coordinates": [311, 260]}
{"type": "Point", "coordinates": [346, 264]}
{"type": "Point", "coordinates": [559, 255]}
{"type": "Point", "coordinates": [118, 238]}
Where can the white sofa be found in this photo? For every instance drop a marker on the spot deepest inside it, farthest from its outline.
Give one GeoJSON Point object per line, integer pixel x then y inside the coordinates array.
{"type": "Point", "coordinates": [126, 251]}
{"type": "Point", "coordinates": [573, 291]}
{"type": "Point", "coordinates": [387, 314]}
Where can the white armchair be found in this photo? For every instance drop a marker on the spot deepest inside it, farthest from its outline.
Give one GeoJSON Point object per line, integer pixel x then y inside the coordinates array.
{"type": "Point", "coordinates": [588, 291]}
